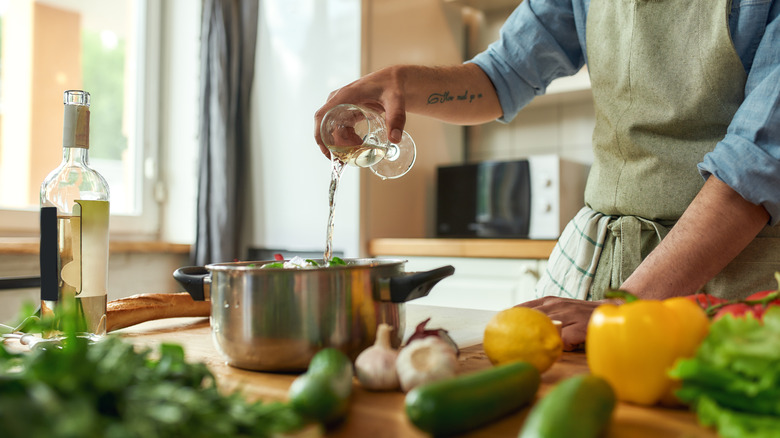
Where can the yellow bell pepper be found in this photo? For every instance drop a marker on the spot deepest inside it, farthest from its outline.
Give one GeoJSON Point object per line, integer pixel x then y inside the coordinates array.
{"type": "Point", "coordinates": [633, 345]}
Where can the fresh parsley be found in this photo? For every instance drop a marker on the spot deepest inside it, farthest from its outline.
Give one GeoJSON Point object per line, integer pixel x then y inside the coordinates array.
{"type": "Point", "coordinates": [111, 389]}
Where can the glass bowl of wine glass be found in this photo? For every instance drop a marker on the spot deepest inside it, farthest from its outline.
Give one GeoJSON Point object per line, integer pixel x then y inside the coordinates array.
{"type": "Point", "coordinates": [358, 137]}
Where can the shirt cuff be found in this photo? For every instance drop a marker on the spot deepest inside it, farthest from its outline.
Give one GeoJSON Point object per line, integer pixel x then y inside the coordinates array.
{"type": "Point", "coordinates": [512, 97]}
{"type": "Point", "coordinates": [748, 169]}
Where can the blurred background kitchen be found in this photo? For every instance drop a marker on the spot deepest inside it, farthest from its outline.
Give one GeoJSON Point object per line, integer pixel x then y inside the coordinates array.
{"type": "Point", "coordinates": [142, 62]}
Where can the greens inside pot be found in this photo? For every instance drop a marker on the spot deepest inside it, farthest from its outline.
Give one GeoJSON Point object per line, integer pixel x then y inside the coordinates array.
{"type": "Point", "coordinates": [300, 263]}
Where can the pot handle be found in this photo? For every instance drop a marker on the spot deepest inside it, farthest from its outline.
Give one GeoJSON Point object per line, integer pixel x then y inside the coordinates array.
{"type": "Point", "coordinates": [412, 285]}
{"type": "Point", "coordinates": [196, 280]}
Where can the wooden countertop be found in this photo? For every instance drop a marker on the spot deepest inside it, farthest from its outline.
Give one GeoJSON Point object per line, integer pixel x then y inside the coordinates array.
{"type": "Point", "coordinates": [489, 248]}
{"type": "Point", "coordinates": [381, 414]}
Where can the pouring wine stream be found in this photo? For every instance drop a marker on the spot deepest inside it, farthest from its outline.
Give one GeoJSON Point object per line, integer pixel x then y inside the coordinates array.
{"type": "Point", "coordinates": [337, 168]}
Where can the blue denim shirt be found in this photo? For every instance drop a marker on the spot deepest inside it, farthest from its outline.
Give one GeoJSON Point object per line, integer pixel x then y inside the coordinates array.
{"type": "Point", "coordinates": [545, 39]}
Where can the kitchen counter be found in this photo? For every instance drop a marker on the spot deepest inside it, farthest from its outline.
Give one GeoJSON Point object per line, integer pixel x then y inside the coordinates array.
{"type": "Point", "coordinates": [381, 414]}
{"type": "Point", "coordinates": [488, 248]}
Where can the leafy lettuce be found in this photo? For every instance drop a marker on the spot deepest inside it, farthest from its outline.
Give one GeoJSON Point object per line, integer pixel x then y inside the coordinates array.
{"type": "Point", "coordinates": [733, 382]}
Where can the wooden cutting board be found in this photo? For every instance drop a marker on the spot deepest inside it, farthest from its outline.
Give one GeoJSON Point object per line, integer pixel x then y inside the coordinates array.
{"type": "Point", "coordinates": [381, 414]}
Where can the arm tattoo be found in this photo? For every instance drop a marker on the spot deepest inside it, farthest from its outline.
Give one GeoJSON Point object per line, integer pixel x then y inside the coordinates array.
{"type": "Point", "coordinates": [447, 97]}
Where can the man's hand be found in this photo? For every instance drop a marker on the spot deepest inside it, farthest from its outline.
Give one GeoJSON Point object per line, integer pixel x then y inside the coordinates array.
{"type": "Point", "coordinates": [573, 314]}
{"type": "Point", "coordinates": [460, 94]}
{"type": "Point", "coordinates": [381, 91]}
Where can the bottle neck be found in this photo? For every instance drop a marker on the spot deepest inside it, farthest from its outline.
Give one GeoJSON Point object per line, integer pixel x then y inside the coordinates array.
{"type": "Point", "coordinates": [75, 156]}
{"type": "Point", "coordinates": [75, 128]}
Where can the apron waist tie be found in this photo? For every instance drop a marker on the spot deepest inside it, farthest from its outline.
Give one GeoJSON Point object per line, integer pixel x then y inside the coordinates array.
{"type": "Point", "coordinates": [627, 232]}
{"type": "Point", "coordinates": [628, 242]}
{"type": "Point", "coordinates": [597, 252]}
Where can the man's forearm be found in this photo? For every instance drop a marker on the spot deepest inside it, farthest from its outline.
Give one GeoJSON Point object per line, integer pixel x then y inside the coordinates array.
{"type": "Point", "coordinates": [717, 225]}
{"type": "Point", "coordinates": [461, 94]}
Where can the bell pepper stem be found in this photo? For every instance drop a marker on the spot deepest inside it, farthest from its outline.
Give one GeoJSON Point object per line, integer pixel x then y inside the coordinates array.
{"type": "Point", "coordinates": [626, 296]}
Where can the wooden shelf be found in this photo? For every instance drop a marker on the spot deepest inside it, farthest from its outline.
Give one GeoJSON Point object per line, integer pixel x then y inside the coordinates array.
{"type": "Point", "coordinates": [482, 248]}
{"type": "Point", "coordinates": [30, 245]}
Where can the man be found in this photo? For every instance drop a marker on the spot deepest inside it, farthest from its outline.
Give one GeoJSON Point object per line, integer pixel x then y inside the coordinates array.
{"type": "Point", "coordinates": [684, 192]}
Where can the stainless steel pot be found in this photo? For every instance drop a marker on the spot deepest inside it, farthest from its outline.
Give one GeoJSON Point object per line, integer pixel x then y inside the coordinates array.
{"type": "Point", "coordinates": [275, 319]}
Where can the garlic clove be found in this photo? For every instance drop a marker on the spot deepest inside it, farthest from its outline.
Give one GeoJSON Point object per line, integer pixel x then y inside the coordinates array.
{"type": "Point", "coordinates": [375, 366]}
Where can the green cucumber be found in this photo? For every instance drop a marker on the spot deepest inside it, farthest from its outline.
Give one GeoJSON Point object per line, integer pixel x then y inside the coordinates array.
{"type": "Point", "coordinates": [579, 406]}
{"type": "Point", "coordinates": [322, 393]}
{"type": "Point", "coordinates": [461, 403]}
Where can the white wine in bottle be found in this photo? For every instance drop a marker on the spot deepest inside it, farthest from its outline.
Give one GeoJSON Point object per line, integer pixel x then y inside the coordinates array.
{"type": "Point", "coordinates": [81, 198]}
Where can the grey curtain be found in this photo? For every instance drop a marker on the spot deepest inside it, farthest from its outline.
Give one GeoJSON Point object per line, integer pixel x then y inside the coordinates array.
{"type": "Point", "coordinates": [228, 39]}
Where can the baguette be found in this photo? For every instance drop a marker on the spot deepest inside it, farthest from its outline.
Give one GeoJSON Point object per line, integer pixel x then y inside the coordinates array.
{"type": "Point", "coordinates": [125, 312]}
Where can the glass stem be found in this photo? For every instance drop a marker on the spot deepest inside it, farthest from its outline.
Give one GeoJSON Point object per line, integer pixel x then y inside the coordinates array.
{"type": "Point", "coordinates": [392, 152]}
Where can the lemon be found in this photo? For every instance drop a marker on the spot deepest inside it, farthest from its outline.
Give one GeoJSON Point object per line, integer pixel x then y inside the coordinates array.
{"type": "Point", "coordinates": [522, 333]}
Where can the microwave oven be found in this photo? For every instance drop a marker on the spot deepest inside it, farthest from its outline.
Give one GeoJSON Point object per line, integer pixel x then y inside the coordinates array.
{"type": "Point", "coordinates": [532, 198]}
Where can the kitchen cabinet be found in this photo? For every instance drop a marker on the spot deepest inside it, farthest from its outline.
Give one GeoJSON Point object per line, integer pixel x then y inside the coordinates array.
{"type": "Point", "coordinates": [479, 283]}
{"type": "Point", "coordinates": [490, 274]}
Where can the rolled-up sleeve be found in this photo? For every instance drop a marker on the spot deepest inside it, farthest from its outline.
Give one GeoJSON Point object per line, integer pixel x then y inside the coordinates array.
{"type": "Point", "coordinates": [540, 41]}
{"type": "Point", "coordinates": [748, 157]}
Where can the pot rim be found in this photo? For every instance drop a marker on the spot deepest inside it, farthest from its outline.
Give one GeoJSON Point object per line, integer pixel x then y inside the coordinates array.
{"type": "Point", "coordinates": [352, 263]}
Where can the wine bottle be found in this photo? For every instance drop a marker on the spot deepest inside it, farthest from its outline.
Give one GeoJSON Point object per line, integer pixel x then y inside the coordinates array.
{"type": "Point", "coordinates": [81, 198]}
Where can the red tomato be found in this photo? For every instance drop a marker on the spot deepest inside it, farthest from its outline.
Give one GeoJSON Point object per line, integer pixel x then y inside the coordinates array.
{"type": "Point", "coordinates": [760, 309]}
{"type": "Point", "coordinates": [736, 309]}
{"type": "Point", "coordinates": [739, 310]}
{"type": "Point", "coordinates": [762, 294]}
{"type": "Point", "coordinates": [705, 300]}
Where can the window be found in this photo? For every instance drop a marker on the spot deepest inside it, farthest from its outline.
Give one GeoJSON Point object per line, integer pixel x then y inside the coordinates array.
{"type": "Point", "coordinates": [108, 48]}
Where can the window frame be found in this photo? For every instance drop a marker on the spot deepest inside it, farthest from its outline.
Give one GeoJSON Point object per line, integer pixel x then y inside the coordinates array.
{"type": "Point", "coordinates": [146, 225]}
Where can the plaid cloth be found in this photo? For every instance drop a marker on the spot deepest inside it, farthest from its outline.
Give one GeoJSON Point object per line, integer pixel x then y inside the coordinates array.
{"type": "Point", "coordinates": [573, 261]}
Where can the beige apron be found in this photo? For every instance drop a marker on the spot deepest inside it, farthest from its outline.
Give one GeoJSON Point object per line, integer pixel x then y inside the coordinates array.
{"type": "Point", "coordinates": [666, 83]}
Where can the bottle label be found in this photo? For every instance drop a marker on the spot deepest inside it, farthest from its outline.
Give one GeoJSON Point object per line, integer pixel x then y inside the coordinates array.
{"type": "Point", "coordinates": [87, 271]}
{"type": "Point", "coordinates": [49, 256]}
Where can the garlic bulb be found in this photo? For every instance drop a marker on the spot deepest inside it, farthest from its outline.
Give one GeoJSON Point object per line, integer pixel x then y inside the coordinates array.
{"type": "Point", "coordinates": [375, 366]}
{"type": "Point", "coordinates": [425, 360]}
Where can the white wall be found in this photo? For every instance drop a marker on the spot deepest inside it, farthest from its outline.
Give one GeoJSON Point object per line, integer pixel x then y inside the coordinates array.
{"type": "Point", "coordinates": [564, 128]}
{"type": "Point", "coordinates": [306, 49]}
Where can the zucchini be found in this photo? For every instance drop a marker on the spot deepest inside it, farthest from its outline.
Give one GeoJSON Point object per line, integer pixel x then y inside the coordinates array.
{"type": "Point", "coordinates": [461, 403]}
{"type": "Point", "coordinates": [579, 406]}
{"type": "Point", "coordinates": [322, 393]}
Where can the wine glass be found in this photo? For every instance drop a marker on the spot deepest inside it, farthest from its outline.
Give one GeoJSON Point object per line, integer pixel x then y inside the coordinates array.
{"type": "Point", "coordinates": [358, 136]}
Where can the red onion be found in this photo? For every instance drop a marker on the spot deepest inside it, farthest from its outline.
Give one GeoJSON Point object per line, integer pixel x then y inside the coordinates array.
{"type": "Point", "coordinates": [421, 332]}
